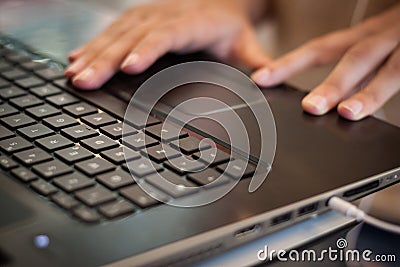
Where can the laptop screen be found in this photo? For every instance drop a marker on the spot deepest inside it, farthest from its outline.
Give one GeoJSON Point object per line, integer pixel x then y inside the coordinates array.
{"type": "Point", "coordinates": [64, 25]}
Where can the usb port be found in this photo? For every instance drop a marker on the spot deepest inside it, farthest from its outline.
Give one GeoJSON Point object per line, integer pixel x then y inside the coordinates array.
{"type": "Point", "coordinates": [247, 231]}
{"type": "Point", "coordinates": [308, 209]}
{"type": "Point", "coordinates": [281, 218]}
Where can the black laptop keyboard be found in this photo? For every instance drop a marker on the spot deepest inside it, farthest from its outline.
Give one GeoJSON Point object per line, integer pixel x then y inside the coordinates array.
{"type": "Point", "coordinates": [71, 153]}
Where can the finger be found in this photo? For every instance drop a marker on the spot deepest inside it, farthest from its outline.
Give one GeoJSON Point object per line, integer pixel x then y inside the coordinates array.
{"type": "Point", "coordinates": [74, 54]}
{"type": "Point", "coordinates": [320, 51]}
{"type": "Point", "coordinates": [355, 65]}
{"type": "Point", "coordinates": [147, 52]}
{"type": "Point", "coordinates": [171, 37]}
{"type": "Point", "coordinates": [99, 70]}
{"type": "Point", "coordinates": [91, 50]}
{"type": "Point", "coordinates": [377, 92]}
{"type": "Point", "coordinates": [249, 51]}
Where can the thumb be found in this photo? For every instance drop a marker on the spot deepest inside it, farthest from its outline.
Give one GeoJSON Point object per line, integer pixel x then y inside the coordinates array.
{"type": "Point", "coordinates": [248, 50]}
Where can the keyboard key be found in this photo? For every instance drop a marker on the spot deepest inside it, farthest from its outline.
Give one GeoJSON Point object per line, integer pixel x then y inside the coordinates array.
{"type": "Point", "coordinates": [29, 82]}
{"type": "Point", "coordinates": [99, 143]}
{"type": "Point", "coordinates": [98, 120]}
{"type": "Point", "coordinates": [15, 144]}
{"type": "Point", "coordinates": [18, 121]}
{"type": "Point", "coordinates": [19, 58]}
{"type": "Point", "coordinates": [237, 166]}
{"type": "Point", "coordinates": [183, 165]}
{"type": "Point", "coordinates": [43, 187]}
{"type": "Point", "coordinates": [4, 83]}
{"type": "Point", "coordinates": [65, 201]}
{"type": "Point", "coordinates": [80, 110]}
{"type": "Point", "coordinates": [115, 209]}
{"type": "Point", "coordinates": [54, 142]}
{"type": "Point", "coordinates": [33, 156]}
{"type": "Point", "coordinates": [52, 169]}
{"type": "Point", "coordinates": [5, 51]}
{"type": "Point", "coordinates": [42, 111]}
{"type": "Point", "coordinates": [14, 74]}
{"type": "Point", "coordinates": [62, 100]}
{"type": "Point", "coordinates": [172, 184]}
{"type": "Point", "coordinates": [79, 132]}
{"type": "Point", "coordinates": [169, 132]}
{"type": "Point", "coordinates": [26, 101]}
{"type": "Point", "coordinates": [50, 74]}
{"type": "Point", "coordinates": [116, 179]}
{"type": "Point", "coordinates": [138, 197]}
{"type": "Point", "coordinates": [6, 110]}
{"type": "Point", "coordinates": [95, 195]}
{"type": "Point", "coordinates": [118, 155]}
{"type": "Point", "coordinates": [60, 121]}
{"type": "Point", "coordinates": [35, 131]}
{"type": "Point", "coordinates": [190, 145]}
{"type": "Point", "coordinates": [5, 133]}
{"type": "Point", "coordinates": [5, 66]}
{"type": "Point", "coordinates": [11, 92]}
{"type": "Point", "coordinates": [212, 156]}
{"type": "Point", "coordinates": [73, 182]}
{"type": "Point", "coordinates": [207, 177]}
{"type": "Point", "coordinates": [87, 215]}
{"type": "Point", "coordinates": [24, 174]}
{"type": "Point", "coordinates": [6, 163]}
{"type": "Point", "coordinates": [45, 91]}
{"type": "Point", "coordinates": [74, 154]}
{"type": "Point", "coordinates": [139, 141]}
{"type": "Point", "coordinates": [159, 153]}
{"type": "Point", "coordinates": [142, 167]}
{"type": "Point", "coordinates": [33, 65]}
{"type": "Point", "coordinates": [114, 131]}
{"type": "Point", "coordinates": [95, 166]}
{"type": "Point", "coordinates": [138, 124]}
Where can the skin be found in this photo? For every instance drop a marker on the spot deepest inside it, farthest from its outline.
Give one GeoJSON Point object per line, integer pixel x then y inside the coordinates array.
{"type": "Point", "coordinates": [369, 51]}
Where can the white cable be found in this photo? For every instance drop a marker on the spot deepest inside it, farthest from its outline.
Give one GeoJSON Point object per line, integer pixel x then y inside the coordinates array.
{"type": "Point", "coordinates": [351, 211]}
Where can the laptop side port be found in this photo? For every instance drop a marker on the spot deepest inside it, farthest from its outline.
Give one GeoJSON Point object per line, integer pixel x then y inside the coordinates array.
{"type": "Point", "coordinates": [247, 231]}
{"type": "Point", "coordinates": [361, 189]}
{"type": "Point", "coordinates": [281, 218]}
{"type": "Point", "coordinates": [308, 209]}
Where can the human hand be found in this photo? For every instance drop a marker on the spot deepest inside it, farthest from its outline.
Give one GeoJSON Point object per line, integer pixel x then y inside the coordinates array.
{"type": "Point", "coordinates": [145, 32]}
{"type": "Point", "coordinates": [369, 56]}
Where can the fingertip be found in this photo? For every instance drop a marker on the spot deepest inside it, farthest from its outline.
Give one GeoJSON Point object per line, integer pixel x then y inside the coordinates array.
{"type": "Point", "coordinates": [262, 77]}
{"type": "Point", "coordinates": [315, 104]}
{"type": "Point", "coordinates": [351, 110]}
{"type": "Point", "coordinates": [71, 58]}
{"type": "Point", "coordinates": [135, 64]}
{"type": "Point", "coordinates": [69, 74]}
{"type": "Point", "coordinates": [74, 54]}
{"type": "Point", "coordinates": [86, 80]}
{"type": "Point", "coordinates": [74, 68]}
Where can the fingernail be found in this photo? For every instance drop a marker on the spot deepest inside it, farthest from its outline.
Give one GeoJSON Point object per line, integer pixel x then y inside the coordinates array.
{"type": "Point", "coordinates": [261, 77]}
{"type": "Point", "coordinates": [73, 68]}
{"type": "Point", "coordinates": [354, 106]}
{"type": "Point", "coordinates": [132, 59]}
{"type": "Point", "coordinates": [317, 102]}
{"type": "Point", "coordinates": [85, 75]}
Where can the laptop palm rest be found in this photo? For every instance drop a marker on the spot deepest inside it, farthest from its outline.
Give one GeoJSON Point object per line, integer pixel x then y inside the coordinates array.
{"type": "Point", "coordinates": [12, 210]}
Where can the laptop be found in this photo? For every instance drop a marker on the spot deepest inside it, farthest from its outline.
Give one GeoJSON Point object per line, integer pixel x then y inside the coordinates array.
{"type": "Point", "coordinates": [68, 200]}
